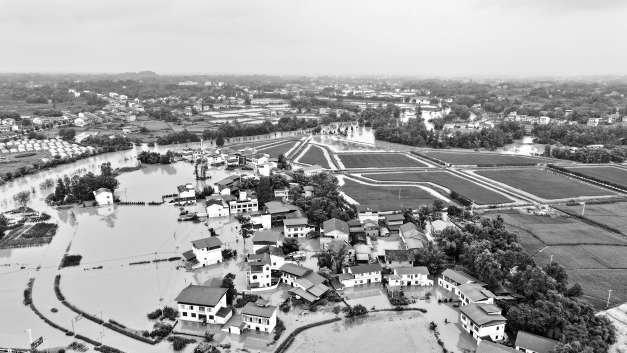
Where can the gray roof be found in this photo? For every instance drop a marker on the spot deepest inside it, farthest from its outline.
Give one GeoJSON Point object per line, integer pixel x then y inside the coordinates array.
{"type": "Point", "coordinates": [459, 276]}
{"type": "Point", "coordinates": [365, 268]}
{"type": "Point", "coordinates": [486, 346]}
{"type": "Point", "coordinates": [535, 343]}
{"type": "Point", "coordinates": [409, 270]}
{"type": "Point", "coordinates": [482, 314]}
{"type": "Point", "coordinates": [266, 236]}
{"type": "Point", "coordinates": [201, 295]}
{"type": "Point", "coordinates": [335, 224]}
{"type": "Point", "coordinates": [256, 310]}
{"type": "Point", "coordinates": [395, 217]}
{"type": "Point", "coordinates": [475, 292]}
{"type": "Point", "coordinates": [409, 229]}
{"type": "Point", "coordinates": [210, 242]}
{"type": "Point", "coordinates": [295, 270]}
{"type": "Point", "coordinates": [303, 294]}
{"type": "Point", "coordinates": [295, 221]}
{"type": "Point", "coordinates": [280, 207]}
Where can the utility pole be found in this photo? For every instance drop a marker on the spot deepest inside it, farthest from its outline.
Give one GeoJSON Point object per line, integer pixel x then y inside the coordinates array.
{"type": "Point", "coordinates": [609, 295]}
{"type": "Point", "coordinates": [583, 208]}
{"type": "Point", "coordinates": [30, 337]}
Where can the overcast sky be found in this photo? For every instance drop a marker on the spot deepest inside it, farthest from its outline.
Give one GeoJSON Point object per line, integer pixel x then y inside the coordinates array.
{"type": "Point", "coordinates": [400, 37]}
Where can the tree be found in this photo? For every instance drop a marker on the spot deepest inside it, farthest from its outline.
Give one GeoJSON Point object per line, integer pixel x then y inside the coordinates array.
{"type": "Point", "coordinates": [282, 162]}
{"type": "Point", "coordinates": [558, 273]}
{"type": "Point", "coordinates": [22, 198]}
{"type": "Point", "coordinates": [227, 282]}
{"type": "Point", "coordinates": [67, 134]}
{"type": "Point", "coordinates": [264, 190]}
{"type": "Point", "coordinates": [431, 257]}
{"type": "Point", "coordinates": [338, 252]}
{"type": "Point", "coordinates": [220, 141]}
{"type": "Point", "coordinates": [290, 245]}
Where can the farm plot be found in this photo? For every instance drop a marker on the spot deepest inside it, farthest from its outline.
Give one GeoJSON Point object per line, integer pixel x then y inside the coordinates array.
{"type": "Point", "coordinates": [543, 184]}
{"type": "Point", "coordinates": [314, 155]}
{"type": "Point", "coordinates": [607, 173]}
{"type": "Point", "coordinates": [387, 197]}
{"type": "Point", "coordinates": [278, 149]}
{"type": "Point", "coordinates": [594, 258]}
{"type": "Point", "coordinates": [464, 187]}
{"type": "Point", "coordinates": [378, 160]}
{"type": "Point", "coordinates": [613, 215]}
{"type": "Point", "coordinates": [481, 158]}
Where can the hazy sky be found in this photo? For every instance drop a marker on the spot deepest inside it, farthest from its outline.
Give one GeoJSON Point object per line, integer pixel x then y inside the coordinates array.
{"type": "Point", "coordinates": [406, 37]}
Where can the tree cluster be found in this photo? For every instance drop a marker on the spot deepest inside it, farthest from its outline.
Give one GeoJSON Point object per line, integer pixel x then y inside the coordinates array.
{"type": "Point", "coordinates": [81, 188]}
{"type": "Point", "coordinates": [147, 157]}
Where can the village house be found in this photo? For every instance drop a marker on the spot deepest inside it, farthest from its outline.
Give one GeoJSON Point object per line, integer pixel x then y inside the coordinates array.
{"type": "Point", "coordinates": [260, 318]}
{"type": "Point", "coordinates": [208, 251]}
{"type": "Point", "coordinates": [483, 321]}
{"type": "Point", "coordinates": [217, 207]}
{"type": "Point", "coordinates": [452, 279]}
{"type": "Point", "coordinates": [306, 284]}
{"type": "Point", "coordinates": [103, 197]}
{"type": "Point", "coordinates": [279, 211]}
{"type": "Point", "coordinates": [333, 229]}
{"type": "Point", "coordinates": [243, 204]}
{"type": "Point", "coordinates": [491, 347]}
{"type": "Point", "coordinates": [361, 274]}
{"type": "Point", "coordinates": [367, 214]}
{"type": "Point", "coordinates": [530, 343]}
{"type": "Point", "coordinates": [283, 194]}
{"type": "Point", "coordinates": [411, 237]}
{"type": "Point", "coordinates": [297, 227]}
{"type": "Point", "coordinates": [263, 238]}
{"type": "Point", "coordinates": [393, 222]}
{"type": "Point", "coordinates": [470, 293]}
{"type": "Point", "coordinates": [371, 229]}
{"type": "Point", "coordinates": [186, 192]}
{"type": "Point", "coordinates": [203, 304]}
{"type": "Point", "coordinates": [259, 273]}
{"type": "Point", "coordinates": [410, 276]}
{"type": "Point", "coordinates": [308, 190]}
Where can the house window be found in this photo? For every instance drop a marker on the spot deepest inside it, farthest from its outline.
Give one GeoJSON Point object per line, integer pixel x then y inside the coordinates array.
{"type": "Point", "coordinates": [193, 314]}
{"type": "Point", "coordinates": [184, 313]}
{"type": "Point", "coordinates": [254, 276]}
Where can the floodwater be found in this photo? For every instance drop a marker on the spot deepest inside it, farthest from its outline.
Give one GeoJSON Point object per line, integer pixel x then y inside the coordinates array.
{"type": "Point", "coordinates": [391, 331]}
{"type": "Point", "coordinates": [524, 146]}
{"type": "Point", "coordinates": [110, 237]}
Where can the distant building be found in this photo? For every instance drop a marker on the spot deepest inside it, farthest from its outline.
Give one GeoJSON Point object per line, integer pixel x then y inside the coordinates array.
{"type": "Point", "coordinates": [203, 304]}
{"type": "Point", "coordinates": [186, 192]}
{"type": "Point", "coordinates": [208, 251]}
{"type": "Point", "coordinates": [103, 197]}
{"type": "Point", "coordinates": [243, 204]}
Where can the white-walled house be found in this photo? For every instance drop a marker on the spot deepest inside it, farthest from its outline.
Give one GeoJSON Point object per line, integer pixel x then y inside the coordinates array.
{"type": "Point", "coordinates": [259, 273]}
{"type": "Point", "coordinates": [334, 229]}
{"type": "Point", "coordinates": [259, 318]}
{"type": "Point", "coordinates": [243, 204]}
{"type": "Point", "coordinates": [261, 220]}
{"type": "Point", "coordinates": [263, 238]}
{"type": "Point", "coordinates": [103, 197]}
{"type": "Point", "coordinates": [186, 192]}
{"type": "Point", "coordinates": [203, 304]}
{"type": "Point", "coordinates": [483, 321]}
{"type": "Point", "coordinates": [217, 207]}
{"type": "Point", "coordinates": [297, 227]}
{"type": "Point", "coordinates": [410, 276]}
{"type": "Point", "coordinates": [470, 293]}
{"type": "Point", "coordinates": [451, 279]}
{"type": "Point", "coordinates": [208, 251]}
{"type": "Point", "coordinates": [361, 274]}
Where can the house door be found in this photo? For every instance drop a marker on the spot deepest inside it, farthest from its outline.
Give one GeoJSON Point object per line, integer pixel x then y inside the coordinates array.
{"type": "Point", "coordinates": [202, 318]}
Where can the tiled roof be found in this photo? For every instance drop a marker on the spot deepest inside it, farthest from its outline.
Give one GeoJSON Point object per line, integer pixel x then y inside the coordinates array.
{"type": "Point", "coordinates": [365, 268]}
{"type": "Point", "coordinates": [458, 276]}
{"type": "Point", "coordinates": [475, 292]}
{"type": "Point", "coordinates": [483, 314]}
{"type": "Point", "coordinates": [295, 221]}
{"type": "Point", "coordinates": [266, 236]}
{"type": "Point", "coordinates": [256, 310]}
{"type": "Point", "coordinates": [486, 346]}
{"type": "Point", "coordinates": [295, 270]}
{"type": "Point", "coordinates": [201, 295]}
{"type": "Point", "coordinates": [210, 242]}
{"type": "Point", "coordinates": [334, 224]}
{"type": "Point", "coordinates": [409, 270]}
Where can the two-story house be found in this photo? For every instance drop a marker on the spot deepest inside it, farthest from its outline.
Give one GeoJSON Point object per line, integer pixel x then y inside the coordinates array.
{"type": "Point", "coordinates": [259, 272]}
{"type": "Point", "coordinates": [243, 204]}
{"type": "Point", "coordinates": [306, 283]}
{"type": "Point", "coordinates": [410, 276]}
{"type": "Point", "coordinates": [297, 227]}
{"type": "Point", "coordinates": [451, 279]}
{"type": "Point", "coordinates": [530, 343]}
{"type": "Point", "coordinates": [208, 251]}
{"type": "Point", "coordinates": [333, 229]}
{"type": "Point", "coordinates": [203, 304]}
{"type": "Point", "coordinates": [483, 321]}
{"type": "Point", "coordinates": [361, 274]}
{"type": "Point", "coordinates": [259, 318]}
{"type": "Point", "coordinates": [263, 238]}
{"type": "Point", "coordinates": [474, 293]}
{"type": "Point", "coordinates": [186, 192]}
{"type": "Point", "coordinates": [217, 207]}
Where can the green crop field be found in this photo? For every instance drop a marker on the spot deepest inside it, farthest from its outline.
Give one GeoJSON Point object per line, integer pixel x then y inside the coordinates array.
{"type": "Point", "coordinates": [592, 256]}
{"type": "Point", "coordinates": [378, 160]}
{"type": "Point", "coordinates": [613, 215]}
{"type": "Point", "coordinates": [278, 149]}
{"type": "Point", "coordinates": [477, 158]}
{"type": "Point", "coordinates": [608, 173]}
{"type": "Point", "coordinates": [544, 184]}
{"type": "Point", "coordinates": [387, 197]}
{"type": "Point", "coordinates": [475, 192]}
{"type": "Point", "coordinates": [314, 155]}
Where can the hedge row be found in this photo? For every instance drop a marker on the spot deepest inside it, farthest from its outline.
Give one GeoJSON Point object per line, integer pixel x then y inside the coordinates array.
{"type": "Point", "coordinates": [505, 164]}
{"type": "Point", "coordinates": [587, 178]}
{"type": "Point", "coordinates": [86, 315]}
{"type": "Point", "coordinates": [121, 329]}
{"type": "Point", "coordinates": [88, 340]}
{"type": "Point", "coordinates": [38, 313]}
{"type": "Point", "coordinates": [290, 339]}
{"type": "Point", "coordinates": [57, 289]}
{"type": "Point", "coordinates": [107, 349]}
